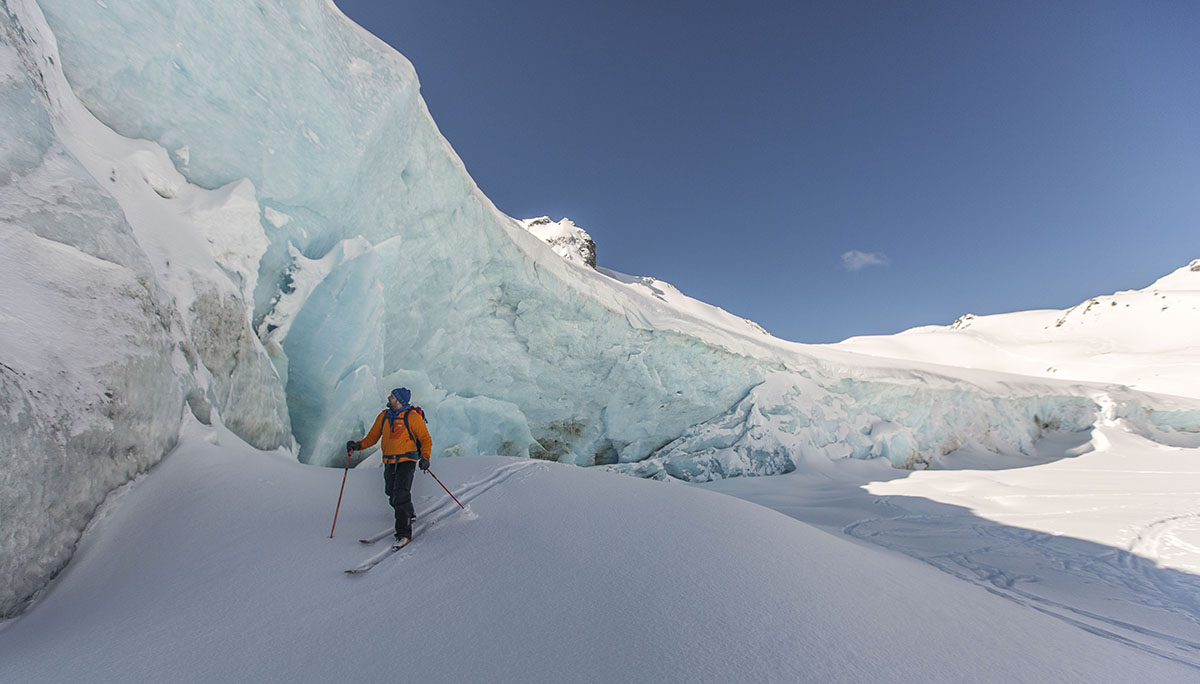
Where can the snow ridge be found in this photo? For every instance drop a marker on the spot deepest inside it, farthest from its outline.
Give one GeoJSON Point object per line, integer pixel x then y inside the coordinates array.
{"type": "Point", "coordinates": [1145, 339]}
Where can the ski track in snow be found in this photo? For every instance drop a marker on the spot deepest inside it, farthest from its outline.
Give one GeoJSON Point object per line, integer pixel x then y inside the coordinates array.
{"type": "Point", "coordinates": [446, 508]}
{"type": "Point", "coordinates": [1160, 538]}
{"type": "Point", "coordinates": [993, 552]}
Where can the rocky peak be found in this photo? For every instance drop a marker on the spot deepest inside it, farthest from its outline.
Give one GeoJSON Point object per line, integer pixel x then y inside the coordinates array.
{"type": "Point", "coordinates": [567, 239]}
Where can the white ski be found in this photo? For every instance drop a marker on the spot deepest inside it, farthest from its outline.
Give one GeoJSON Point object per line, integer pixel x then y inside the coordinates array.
{"type": "Point", "coordinates": [376, 537]}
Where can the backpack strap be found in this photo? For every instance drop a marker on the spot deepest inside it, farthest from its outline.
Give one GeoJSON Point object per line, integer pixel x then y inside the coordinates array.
{"type": "Point", "coordinates": [404, 415]}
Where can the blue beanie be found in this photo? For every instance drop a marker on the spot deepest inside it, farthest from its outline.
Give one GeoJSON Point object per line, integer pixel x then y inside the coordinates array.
{"type": "Point", "coordinates": [402, 395]}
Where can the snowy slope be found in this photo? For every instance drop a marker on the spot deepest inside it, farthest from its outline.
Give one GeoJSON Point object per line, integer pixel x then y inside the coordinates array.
{"type": "Point", "coordinates": [1099, 530]}
{"type": "Point", "coordinates": [217, 567]}
{"type": "Point", "coordinates": [1148, 339]}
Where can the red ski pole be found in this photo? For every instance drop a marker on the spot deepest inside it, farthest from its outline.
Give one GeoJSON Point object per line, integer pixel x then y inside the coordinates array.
{"type": "Point", "coordinates": [343, 489]}
{"type": "Point", "coordinates": [447, 490]}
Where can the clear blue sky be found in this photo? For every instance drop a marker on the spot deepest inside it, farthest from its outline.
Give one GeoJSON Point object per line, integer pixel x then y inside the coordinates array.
{"type": "Point", "coordinates": [994, 156]}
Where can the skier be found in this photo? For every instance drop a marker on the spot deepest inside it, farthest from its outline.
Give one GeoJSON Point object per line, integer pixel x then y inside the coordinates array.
{"type": "Point", "coordinates": [406, 443]}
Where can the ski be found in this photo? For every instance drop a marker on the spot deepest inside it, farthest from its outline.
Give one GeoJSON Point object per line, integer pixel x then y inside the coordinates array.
{"type": "Point", "coordinates": [382, 555]}
{"type": "Point", "coordinates": [383, 535]}
{"type": "Point", "coordinates": [376, 537]}
{"type": "Point", "coordinates": [372, 561]}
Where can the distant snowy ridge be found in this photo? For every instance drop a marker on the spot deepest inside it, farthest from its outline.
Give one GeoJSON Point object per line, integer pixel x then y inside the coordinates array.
{"type": "Point", "coordinates": [1148, 339]}
{"type": "Point", "coordinates": [575, 245]}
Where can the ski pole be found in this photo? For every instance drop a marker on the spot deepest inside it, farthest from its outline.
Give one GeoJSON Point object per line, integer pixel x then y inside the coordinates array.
{"type": "Point", "coordinates": [447, 490]}
{"type": "Point", "coordinates": [343, 489]}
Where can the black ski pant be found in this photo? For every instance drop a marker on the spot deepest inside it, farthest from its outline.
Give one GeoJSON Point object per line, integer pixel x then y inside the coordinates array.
{"type": "Point", "coordinates": [397, 483]}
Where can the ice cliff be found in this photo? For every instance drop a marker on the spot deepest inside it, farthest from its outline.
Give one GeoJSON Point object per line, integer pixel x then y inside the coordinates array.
{"type": "Point", "coordinates": [122, 304]}
{"type": "Point", "coordinates": [241, 211]}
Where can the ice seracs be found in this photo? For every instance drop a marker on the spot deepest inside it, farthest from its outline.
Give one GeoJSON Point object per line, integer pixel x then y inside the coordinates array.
{"type": "Point", "coordinates": [123, 306]}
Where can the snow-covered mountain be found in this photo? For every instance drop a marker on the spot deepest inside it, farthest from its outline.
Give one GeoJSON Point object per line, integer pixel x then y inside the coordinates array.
{"type": "Point", "coordinates": [568, 240]}
{"type": "Point", "coordinates": [1148, 339]}
{"type": "Point", "coordinates": [241, 213]}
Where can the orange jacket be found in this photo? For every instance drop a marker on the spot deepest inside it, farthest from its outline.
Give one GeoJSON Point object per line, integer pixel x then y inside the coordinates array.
{"type": "Point", "coordinates": [396, 439]}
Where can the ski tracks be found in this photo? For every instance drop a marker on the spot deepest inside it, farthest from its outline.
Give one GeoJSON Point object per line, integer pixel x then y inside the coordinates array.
{"type": "Point", "coordinates": [1168, 537]}
{"type": "Point", "coordinates": [501, 474]}
{"type": "Point", "coordinates": [446, 508]}
{"type": "Point", "coordinates": [1112, 593]}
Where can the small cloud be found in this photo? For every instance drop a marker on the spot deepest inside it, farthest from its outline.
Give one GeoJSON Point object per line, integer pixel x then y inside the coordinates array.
{"type": "Point", "coordinates": [855, 260]}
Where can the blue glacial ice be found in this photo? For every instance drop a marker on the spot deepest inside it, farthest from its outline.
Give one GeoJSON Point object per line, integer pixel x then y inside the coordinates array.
{"type": "Point", "coordinates": [102, 343]}
{"type": "Point", "coordinates": [385, 261]}
{"type": "Point", "coordinates": [327, 124]}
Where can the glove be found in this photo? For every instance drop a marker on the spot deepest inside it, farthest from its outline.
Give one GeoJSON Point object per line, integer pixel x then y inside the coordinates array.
{"type": "Point", "coordinates": [423, 464]}
{"type": "Point", "coordinates": [353, 446]}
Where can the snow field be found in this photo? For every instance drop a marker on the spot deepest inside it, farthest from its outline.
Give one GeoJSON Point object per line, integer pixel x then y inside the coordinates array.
{"type": "Point", "coordinates": [217, 567]}
{"type": "Point", "coordinates": [1096, 529]}
{"type": "Point", "coordinates": [1145, 339]}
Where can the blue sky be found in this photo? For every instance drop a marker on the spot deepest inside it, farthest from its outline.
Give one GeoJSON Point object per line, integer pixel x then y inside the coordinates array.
{"type": "Point", "coordinates": [831, 169]}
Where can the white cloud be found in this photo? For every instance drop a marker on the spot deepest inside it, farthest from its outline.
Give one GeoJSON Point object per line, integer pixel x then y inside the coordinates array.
{"type": "Point", "coordinates": [855, 260]}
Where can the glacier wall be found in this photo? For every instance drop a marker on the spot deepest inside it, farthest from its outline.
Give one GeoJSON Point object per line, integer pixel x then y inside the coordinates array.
{"type": "Point", "coordinates": [242, 267]}
{"type": "Point", "coordinates": [805, 421]}
{"type": "Point", "coordinates": [102, 343]}
{"type": "Point", "coordinates": [327, 124]}
{"type": "Point", "coordinates": [385, 264]}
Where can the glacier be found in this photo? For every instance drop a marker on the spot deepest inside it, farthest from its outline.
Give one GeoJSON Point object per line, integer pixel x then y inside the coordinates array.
{"type": "Point", "coordinates": [120, 311]}
{"type": "Point", "coordinates": [451, 293]}
{"type": "Point", "coordinates": [244, 211]}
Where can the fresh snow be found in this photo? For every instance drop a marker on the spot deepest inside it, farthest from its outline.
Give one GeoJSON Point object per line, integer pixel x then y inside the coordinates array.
{"type": "Point", "coordinates": [1146, 339]}
{"type": "Point", "coordinates": [218, 567]}
{"type": "Point", "coordinates": [1100, 531]}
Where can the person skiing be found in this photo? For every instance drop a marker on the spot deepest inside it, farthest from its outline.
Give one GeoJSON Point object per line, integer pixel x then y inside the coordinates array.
{"type": "Point", "coordinates": [406, 443]}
